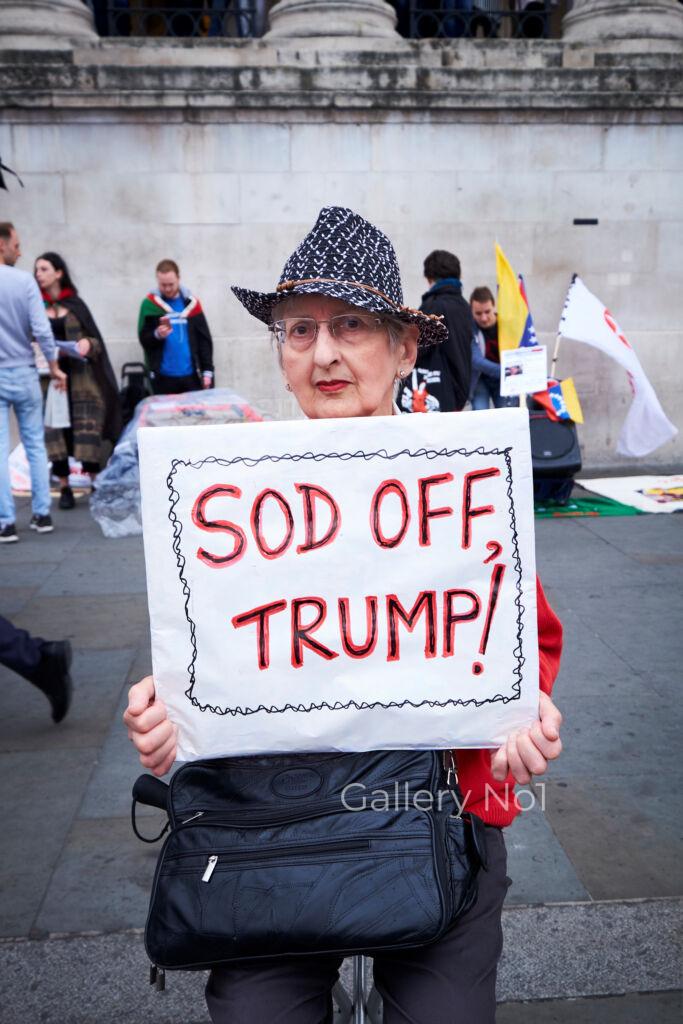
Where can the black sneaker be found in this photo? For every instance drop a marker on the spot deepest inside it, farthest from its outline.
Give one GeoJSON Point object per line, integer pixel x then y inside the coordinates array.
{"type": "Point", "coordinates": [43, 524]}
{"type": "Point", "coordinates": [52, 676]}
{"type": "Point", "coordinates": [66, 498]}
{"type": "Point", "coordinates": [8, 534]}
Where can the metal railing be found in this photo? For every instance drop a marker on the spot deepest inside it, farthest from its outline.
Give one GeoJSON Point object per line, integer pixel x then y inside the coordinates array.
{"type": "Point", "coordinates": [242, 19]}
{"type": "Point", "coordinates": [239, 19]}
{"type": "Point", "coordinates": [453, 19]}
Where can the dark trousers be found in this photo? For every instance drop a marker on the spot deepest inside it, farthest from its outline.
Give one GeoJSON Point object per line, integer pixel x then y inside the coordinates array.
{"type": "Point", "coordinates": [162, 385]}
{"type": "Point", "coordinates": [18, 649]}
{"type": "Point", "coordinates": [453, 981]}
{"type": "Point", "coordinates": [60, 468]}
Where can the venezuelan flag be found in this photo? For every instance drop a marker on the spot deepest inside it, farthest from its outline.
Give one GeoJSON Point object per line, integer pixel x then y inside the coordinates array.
{"type": "Point", "coordinates": [561, 400]}
{"type": "Point", "coordinates": [515, 326]}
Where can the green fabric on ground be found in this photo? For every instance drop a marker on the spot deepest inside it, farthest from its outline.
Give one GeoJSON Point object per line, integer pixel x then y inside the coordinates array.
{"type": "Point", "coordinates": [593, 506]}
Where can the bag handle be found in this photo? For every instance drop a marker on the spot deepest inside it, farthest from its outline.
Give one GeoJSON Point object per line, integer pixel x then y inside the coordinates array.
{"type": "Point", "coordinates": [154, 793]}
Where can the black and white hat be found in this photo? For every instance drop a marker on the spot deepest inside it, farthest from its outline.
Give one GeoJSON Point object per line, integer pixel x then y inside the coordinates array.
{"type": "Point", "coordinates": [345, 257]}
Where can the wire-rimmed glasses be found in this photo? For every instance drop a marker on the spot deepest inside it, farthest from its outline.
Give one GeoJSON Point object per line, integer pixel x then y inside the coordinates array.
{"type": "Point", "coordinates": [300, 332]}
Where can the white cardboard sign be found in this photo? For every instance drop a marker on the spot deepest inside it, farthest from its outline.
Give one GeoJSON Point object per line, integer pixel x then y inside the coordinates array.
{"type": "Point", "coordinates": [354, 584]}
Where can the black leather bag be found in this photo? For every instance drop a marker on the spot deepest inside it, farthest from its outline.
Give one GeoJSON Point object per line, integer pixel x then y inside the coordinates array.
{"type": "Point", "coordinates": [310, 854]}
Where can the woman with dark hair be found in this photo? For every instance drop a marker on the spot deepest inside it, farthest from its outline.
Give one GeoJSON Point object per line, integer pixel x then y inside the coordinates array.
{"type": "Point", "coordinates": [93, 395]}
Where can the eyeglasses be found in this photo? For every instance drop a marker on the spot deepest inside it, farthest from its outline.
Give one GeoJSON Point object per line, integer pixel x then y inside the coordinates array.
{"type": "Point", "coordinates": [300, 332]}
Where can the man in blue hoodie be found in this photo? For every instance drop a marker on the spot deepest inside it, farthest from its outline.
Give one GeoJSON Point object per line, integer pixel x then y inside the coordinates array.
{"type": "Point", "coordinates": [440, 380]}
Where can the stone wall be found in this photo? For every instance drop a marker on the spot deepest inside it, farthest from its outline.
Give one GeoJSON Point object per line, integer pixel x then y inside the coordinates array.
{"type": "Point", "coordinates": [221, 158]}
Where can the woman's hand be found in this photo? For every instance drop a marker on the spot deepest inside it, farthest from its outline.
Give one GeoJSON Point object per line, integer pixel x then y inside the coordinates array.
{"type": "Point", "coordinates": [149, 727]}
{"type": "Point", "coordinates": [528, 751]}
{"type": "Point", "coordinates": [84, 347]}
{"type": "Point", "coordinates": [58, 376]}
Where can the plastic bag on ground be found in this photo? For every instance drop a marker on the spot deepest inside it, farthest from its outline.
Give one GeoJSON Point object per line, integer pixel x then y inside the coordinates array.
{"type": "Point", "coordinates": [115, 504]}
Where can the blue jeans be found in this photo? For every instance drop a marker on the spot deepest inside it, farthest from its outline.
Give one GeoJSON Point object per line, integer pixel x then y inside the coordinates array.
{"type": "Point", "coordinates": [20, 388]}
{"type": "Point", "coordinates": [487, 389]}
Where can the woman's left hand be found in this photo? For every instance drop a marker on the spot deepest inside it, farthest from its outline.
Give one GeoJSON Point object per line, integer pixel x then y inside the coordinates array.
{"type": "Point", "coordinates": [528, 751]}
{"type": "Point", "coordinates": [84, 347]}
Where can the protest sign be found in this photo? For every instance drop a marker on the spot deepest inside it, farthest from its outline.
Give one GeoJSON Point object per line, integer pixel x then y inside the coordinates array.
{"type": "Point", "coordinates": [523, 370]}
{"type": "Point", "coordinates": [351, 584]}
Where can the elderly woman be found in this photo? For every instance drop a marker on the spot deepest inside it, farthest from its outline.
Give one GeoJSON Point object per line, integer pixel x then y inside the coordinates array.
{"type": "Point", "coordinates": [344, 339]}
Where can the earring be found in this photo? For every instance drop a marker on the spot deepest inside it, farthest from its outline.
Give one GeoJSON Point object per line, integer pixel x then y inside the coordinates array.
{"type": "Point", "coordinates": [288, 386]}
{"type": "Point", "coordinates": [401, 374]}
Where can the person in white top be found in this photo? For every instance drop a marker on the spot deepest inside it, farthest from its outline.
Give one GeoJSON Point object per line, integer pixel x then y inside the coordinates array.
{"type": "Point", "coordinates": [22, 318]}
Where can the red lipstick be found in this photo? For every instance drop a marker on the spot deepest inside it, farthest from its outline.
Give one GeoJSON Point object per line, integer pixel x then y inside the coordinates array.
{"type": "Point", "coordinates": [330, 387]}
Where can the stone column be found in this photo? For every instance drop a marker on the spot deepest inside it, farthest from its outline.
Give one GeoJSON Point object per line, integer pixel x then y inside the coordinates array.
{"type": "Point", "coordinates": [657, 23]}
{"type": "Point", "coordinates": [307, 18]}
{"type": "Point", "coordinates": [45, 24]}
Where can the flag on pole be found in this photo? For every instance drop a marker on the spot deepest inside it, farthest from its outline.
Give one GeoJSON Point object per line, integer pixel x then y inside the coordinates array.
{"type": "Point", "coordinates": [560, 400]}
{"type": "Point", "coordinates": [515, 326]}
{"type": "Point", "coordinates": [529, 337]}
{"type": "Point", "coordinates": [586, 319]}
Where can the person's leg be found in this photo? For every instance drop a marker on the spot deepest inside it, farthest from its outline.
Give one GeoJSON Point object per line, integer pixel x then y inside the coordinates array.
{"type": "Point", "coordinates": [217, 14]}
{"type": "Point", "coordinates": [456, 25]}
{"type": "Point", "coordinates": [480, 395]}
{"type": "Point", "coordinates": [7, 511]}
{"type": "Point", "coordinates": [18, 649]}
{"type": "Point", "coordinates": [284, 992]}
{"type": "Point", "coordinates": [505, 402]}
{"type": "Point", "coordinates": [453, 981]}
{"type": "Point", "coordinates": [28, 406]}
{"type": "Point", "coordinates": [44, 663]}
{"type": "Point", "coordinates": [175, 385]}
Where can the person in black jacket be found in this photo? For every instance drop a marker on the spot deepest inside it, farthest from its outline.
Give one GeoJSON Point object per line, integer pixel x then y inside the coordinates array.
{"type": "Point", "coordinates": [440, 381]}
{"type": "Point", "coordinates": [174, 333]}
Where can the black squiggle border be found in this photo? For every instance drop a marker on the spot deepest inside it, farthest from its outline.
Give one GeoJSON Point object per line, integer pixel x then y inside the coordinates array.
{"type": "Point", "coordinates": [429, 453]}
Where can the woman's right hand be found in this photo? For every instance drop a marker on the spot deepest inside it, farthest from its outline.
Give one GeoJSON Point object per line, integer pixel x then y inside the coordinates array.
{"type": "Point", "coordinates": [149, 727]}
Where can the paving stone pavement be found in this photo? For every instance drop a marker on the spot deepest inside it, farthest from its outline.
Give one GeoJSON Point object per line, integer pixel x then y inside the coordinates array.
{"type": "Point", "coordinates": [592, 915]}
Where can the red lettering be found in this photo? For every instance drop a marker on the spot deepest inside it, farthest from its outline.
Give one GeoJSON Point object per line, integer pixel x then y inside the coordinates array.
{"type": "Point", "coordinates": [425, 512]}
{"type": "Point", "coordinates": [310, 493]}
{"type": "Point", "coordinates": [495, 547]}
{"type": "Point", "coordinates": [256, 527]}
{"type": "Point", "coordinates": [389, 487]}
{"type": "Point", "coordinates": [218, 526]}
{"type": "Point", "coordinates": [450, 619]}
{"type": "Point", "coordinates": [370, 642]}
{"type": "Point", "coordinates": [261, 616]}
{"type": "Point", "coordinates": [301, 635]}
{"type": "Point", "coordinates": [494, 590]}
{"type": "Point", "coordinates": [426, 601]}
{"type": "Point", "coordinates": [469, 513]}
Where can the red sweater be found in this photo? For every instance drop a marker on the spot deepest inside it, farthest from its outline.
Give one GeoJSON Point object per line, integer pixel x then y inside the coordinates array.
{"type": "Point", "coordinates": [494, 802]}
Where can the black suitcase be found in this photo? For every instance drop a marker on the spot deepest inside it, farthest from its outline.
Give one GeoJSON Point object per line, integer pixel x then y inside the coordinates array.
{"type": "Point", "coordinates": [555, 456]}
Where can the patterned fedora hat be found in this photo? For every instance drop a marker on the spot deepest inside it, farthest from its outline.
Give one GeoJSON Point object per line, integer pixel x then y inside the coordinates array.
{"type": "Point", "coordinates": [345, 257]}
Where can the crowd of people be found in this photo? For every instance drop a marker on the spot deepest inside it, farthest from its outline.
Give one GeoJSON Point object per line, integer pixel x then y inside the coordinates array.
{"type": "Point", "coordinates": [46, 308]}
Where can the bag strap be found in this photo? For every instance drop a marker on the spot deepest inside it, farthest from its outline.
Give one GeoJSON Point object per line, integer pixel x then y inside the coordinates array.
{"type": "Point", "coordinates": [140, 836]}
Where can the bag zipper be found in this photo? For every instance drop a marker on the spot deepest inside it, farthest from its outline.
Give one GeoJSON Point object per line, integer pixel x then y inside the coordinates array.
{"type": "Point", "coordinates": [278, 851]}
{"type": "Point", "coordinates": [311, 845]}
{"type": "Point", "coordinates": [254, 819]}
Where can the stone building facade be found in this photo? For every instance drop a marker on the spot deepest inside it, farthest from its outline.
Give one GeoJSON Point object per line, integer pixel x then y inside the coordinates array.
{"type": "Point", "coordinates": [219, 153]}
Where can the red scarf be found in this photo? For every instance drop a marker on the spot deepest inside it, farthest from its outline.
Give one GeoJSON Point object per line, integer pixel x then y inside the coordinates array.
{"type": "Point", "coordinates": [66, 293]}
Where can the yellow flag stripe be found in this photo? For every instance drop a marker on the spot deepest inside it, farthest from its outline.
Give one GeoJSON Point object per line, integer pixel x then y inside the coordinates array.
{"type": "Point", "coordinates": [512, 310]}
{"type": "Point", "coordinates": [571, 400]}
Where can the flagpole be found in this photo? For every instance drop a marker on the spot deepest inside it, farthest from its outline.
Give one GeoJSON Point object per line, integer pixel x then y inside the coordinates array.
{"type": "Point", "coordinates": [556, 352]}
